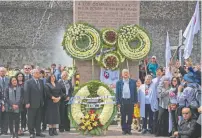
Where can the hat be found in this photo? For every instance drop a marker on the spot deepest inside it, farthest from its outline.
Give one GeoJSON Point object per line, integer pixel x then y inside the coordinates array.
{"type": "Point", "coordinates": [154, 57]}
{"type": "Point", "coordinates": [189, 77]}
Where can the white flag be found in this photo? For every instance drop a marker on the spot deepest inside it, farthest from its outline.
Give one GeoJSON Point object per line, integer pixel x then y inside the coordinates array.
{"type": "Point", "coordinates": [168, 51]}
{"type": "Point", "coordinates": [192, 29]}
{"type": "Point", "coordinates": [167, 56]}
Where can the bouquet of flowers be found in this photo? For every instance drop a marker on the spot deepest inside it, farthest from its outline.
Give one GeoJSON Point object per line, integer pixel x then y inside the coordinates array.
{"type": "Point", "coordinates": [90, 123]}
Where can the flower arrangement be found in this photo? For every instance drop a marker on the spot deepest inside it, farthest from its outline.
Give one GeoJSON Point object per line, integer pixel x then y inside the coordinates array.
{"type": "Point", "coordinates": [90, 123]}
{"type": "Point", "coordinates": [93, 121]}
{"type": "Point", "coordinates": [110, 60]}
{"type": "Point", "coordinates": [81, 41]}
{"type": "Point", "coordinates": [130, 33]}
{"type": "Point", "coordinates": [109, 37]}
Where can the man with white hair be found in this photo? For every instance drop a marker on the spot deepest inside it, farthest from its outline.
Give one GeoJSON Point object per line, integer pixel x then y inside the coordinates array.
{"type": "Point", "coordinates": [27, 72]}
{"type": "Point", "coordinates": [4, 81]}
{"type": "Point", "coordinates": [34, 96]}
{"type": "Point", "coordinates": [67, 90]}
{"type": "Point", "coordinates": [126, 97]}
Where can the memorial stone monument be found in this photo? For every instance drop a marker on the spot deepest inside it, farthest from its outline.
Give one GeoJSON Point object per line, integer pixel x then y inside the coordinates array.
{"type": "Point", "coordinates": [105, 14]}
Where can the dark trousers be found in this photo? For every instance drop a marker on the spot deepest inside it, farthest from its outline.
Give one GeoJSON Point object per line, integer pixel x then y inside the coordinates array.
{"type": "Point", "coordinates": [126, 110]}
{"type": "Point", "coordinates": [163, 122]}
{"type": "Point", "coordinates": [23, 115]}
{"type": "Point", "coordinates": [4, 122]}
{"type": "Point", "coordinates": [0, 119]}
{"type": "Point", "coordinates": [64, 119]}
{"type": "Point", "coordinates": [174, 120]}
{"type": "Point", "coordinates": [148, 112]}
{"type": "Point", "coordinates": [34, 120]}
{"type": "Point", "coordinates": [43, 117]}
{"type": "Point", "coordinates": [14, 119]}
{"type": "Point", "coordinates": [155, 120]}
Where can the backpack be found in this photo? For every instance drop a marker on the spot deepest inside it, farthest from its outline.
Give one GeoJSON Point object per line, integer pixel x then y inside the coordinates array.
{"type": "Point", "coordinates": [196, 102]}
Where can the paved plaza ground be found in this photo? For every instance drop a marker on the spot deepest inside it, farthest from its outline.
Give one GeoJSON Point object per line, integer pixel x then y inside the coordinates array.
{"type": "Point", "coordinates": [113, 132]}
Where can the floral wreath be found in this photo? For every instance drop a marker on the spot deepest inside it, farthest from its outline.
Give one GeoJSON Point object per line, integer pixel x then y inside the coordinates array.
{"type": "Point", "coordinates": [133, 33]}
{"type": "Point", "coordinates": [92, 122]}
{"type": "Point", "coordinates": [109, 36]}
{"type": "Point", "coordinates": [81, 41]}
{"type": "Point", "coordinates": [110, 60]}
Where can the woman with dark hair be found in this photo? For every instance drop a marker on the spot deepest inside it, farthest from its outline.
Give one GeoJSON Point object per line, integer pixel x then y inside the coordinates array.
{"type": "Point", "coordinates": [54, 94]}
{"type": "Point", "coordinates": [175, 82]}
{"type": "Point", "coordinates": [21, 78]}
{"type": "Point", "coordinates": [13, 98]}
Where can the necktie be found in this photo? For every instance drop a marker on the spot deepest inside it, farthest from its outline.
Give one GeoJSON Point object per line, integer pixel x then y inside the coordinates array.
{"type": "Point", "coordinates": [3, 82]}
{"type": "Point", "coordinates": [38, 84]}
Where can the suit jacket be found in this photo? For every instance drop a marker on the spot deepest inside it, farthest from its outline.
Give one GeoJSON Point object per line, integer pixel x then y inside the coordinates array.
{"type": "Point", "coordinates": [33, 95]}
{"type": "Point", "coordinates": [64, 89]}
{"type": "Point", "coordinates": [133, 91]}
{"type": "Point", "coordinates": [30, 77]}
{"type": "Point", "coordinates": [6, 83]}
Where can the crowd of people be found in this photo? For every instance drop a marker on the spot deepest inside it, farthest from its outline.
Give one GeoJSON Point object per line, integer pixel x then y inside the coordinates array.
{"type": "Point", "coordinates": [164, 105]}
{"type": "Point", "coordinates": [168, 103]}
{"type": "Point", "coordinates": [34, 98]}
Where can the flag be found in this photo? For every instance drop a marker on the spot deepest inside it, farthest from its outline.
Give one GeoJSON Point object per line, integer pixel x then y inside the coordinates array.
{"type": "Point", "coordinates": [192, 29]}
{"type": "Point", "coordinates": [168, 51]}
{"type": "Point", "coordinates": [167, 56]}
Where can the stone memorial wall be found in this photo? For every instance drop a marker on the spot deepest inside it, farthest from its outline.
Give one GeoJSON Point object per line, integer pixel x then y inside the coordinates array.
{"type": "Point", "coordinates": [105, 14]}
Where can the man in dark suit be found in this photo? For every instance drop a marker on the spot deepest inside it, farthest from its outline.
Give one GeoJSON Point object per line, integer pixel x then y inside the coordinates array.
{"type": "Point", "coordinates": [4, 81]}
{"type": "Point", "coordinates": [126, 97]}
{"type": "Point", "coordinates": [67, 90]}
{"type": "Point", "coordinates": [27, 73]}
{"type": "Point", "coordinates": [34, 99]}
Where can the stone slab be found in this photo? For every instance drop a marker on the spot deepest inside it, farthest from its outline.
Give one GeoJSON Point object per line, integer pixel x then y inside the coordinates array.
{"type": "Point", "coordinates": [105, 14]}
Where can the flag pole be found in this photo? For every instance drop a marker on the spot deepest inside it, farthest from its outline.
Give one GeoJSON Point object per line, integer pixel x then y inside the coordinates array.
{"type": "Point", "coordinates": [145, 66]}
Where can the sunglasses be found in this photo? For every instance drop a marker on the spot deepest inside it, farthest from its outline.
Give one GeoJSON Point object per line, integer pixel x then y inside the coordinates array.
{"type": "Point", "coordinates": [26, 68]}
{"type": "Point", "coordinates": [20, 76]}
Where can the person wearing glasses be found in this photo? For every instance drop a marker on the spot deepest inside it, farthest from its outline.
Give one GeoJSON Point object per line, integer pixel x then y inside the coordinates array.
{"type": "Point", "coordinates": [173, 104]}
{"type": "Point", "coordinates": [27, 72]}
{"type": "Point", "coordinates": [187, 127]}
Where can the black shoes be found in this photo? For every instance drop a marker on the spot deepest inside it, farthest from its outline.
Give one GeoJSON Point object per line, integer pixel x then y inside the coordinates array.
{"type": "Point", "coordinates": [61, 130]}
{"type": "Point", "coordinates": [14, 135]}
{"type": "Point", "coordinates": [51, 132]}
{"type": "Point", "coordinates": [126, 132]}
{"type": "Point", "coordinates": [40, 135]}
{"type": "Point", "coordinates": [144, 131]}
{"type": "Point", "coordinates": [129, 133]}
{"type": "Point", "coordinates": [55, 132]}
{"type": "Point", "coordinates": [32, 136]}
{"type": "Point", "coordinates": [67, 130]}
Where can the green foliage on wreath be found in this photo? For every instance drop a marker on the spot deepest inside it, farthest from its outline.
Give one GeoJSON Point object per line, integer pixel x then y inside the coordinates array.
{"type": "Point", "coordinates": [93, 87]}
{"type": "Point", "coordinates": [127, 35]}
{"type": "Point", "coordinates": [81, 41]}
